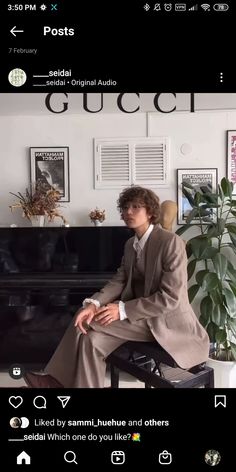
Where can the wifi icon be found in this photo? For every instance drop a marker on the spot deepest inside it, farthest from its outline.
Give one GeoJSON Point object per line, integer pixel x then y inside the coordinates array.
{"type": "Point", "coordinates": [206, 6]}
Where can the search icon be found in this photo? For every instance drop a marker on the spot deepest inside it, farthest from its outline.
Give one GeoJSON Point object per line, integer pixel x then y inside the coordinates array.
{"type": "Point", "coordinates": [40, 402]}
{"type": "Point", "coordinates": [70, 456]}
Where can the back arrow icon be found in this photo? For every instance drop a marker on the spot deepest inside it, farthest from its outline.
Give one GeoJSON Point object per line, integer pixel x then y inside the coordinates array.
{"type": "Point", "coordinates": [14, 30]}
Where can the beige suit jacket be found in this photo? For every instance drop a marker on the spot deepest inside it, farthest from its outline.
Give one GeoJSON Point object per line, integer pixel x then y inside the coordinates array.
{"type": "Point", "coordinates": [165, 305]}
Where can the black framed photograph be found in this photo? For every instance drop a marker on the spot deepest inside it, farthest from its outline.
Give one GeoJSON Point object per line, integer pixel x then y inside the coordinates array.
{"type": "Point", "coordinates": [201, 180]}
{"type": "Point", "coordinates": [51, 165]}
{"type": "Point", "coordinates": [231, 157]}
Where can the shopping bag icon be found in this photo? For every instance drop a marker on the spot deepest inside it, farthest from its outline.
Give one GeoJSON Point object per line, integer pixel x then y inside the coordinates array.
{"type": "Point", "coordinates": [165, 458]}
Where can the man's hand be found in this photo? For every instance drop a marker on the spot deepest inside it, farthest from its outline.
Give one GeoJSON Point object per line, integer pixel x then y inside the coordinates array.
{"type": "Point", "coordinates": [107, 314]}
{"type": "Point", "coordinates": [85, 316]}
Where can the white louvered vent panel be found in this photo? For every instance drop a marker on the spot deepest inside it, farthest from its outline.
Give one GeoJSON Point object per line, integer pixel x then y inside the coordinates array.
{"type": "Point", "coordinates": [150, 163]}
{"type": "Point", "coordinates": [115, 163]}
{"type": "Point", "coordinates": [120, 162]}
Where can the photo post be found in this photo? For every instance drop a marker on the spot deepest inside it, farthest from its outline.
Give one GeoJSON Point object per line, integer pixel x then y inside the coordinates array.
{"type": "Point", "coordinates": [117, 235]}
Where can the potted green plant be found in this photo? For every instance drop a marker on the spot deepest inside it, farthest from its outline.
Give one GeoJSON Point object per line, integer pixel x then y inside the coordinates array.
{"type": "Point", "coordinates": [39, 201]}
{"type": "Point", "coordinates": [211, 254]}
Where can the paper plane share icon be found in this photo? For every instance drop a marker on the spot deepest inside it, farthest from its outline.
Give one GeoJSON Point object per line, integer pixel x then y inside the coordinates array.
{"type": "Point", "coordinates": [64, 401]}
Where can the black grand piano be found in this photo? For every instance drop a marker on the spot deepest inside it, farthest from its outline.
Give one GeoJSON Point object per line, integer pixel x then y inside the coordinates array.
{"type": "Point", "coordinates": [45, 273]}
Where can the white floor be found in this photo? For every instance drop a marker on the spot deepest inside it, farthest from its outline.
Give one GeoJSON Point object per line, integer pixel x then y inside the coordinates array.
{"type": "Point", "coordinates": [126, 381]}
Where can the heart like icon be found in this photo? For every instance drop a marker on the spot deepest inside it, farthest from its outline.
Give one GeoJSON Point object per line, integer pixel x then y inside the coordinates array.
{"type": "Point", "coordinates": [15, 401]}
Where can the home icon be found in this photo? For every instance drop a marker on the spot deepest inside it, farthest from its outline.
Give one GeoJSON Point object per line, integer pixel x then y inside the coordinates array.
{"type": "Point", "coordinates": [23, 458]}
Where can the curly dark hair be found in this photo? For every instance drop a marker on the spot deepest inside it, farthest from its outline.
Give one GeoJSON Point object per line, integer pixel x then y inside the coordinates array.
{"type": "Point", "coordinates": [141, 195]}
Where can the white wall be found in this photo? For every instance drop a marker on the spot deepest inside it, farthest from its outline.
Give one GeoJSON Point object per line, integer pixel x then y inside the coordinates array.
{"type": "Point", "coordinates": [19, 133]}
{"type": "Point", "coordinates": [204, 131]}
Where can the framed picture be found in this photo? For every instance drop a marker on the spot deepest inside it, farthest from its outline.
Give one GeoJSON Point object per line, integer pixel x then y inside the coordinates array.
{"type": "Point", "coordinates": [203, 181]}
{"type": "Point", "coordinates": [51, 164]}
{"type": "Point", "coordinates": [231, 157]}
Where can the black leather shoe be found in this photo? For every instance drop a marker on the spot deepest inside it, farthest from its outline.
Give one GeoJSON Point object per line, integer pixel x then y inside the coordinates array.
{"type": "Point", "coordinates": [41, 381]}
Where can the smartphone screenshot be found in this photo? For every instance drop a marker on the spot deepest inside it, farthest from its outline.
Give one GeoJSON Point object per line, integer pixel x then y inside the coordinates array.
{"type": "Point", "coordinates": [117, 235]}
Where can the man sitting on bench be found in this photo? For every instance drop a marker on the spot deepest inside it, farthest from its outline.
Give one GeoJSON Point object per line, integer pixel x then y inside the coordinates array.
{"type": "Point", "coordinates": [147, 300]}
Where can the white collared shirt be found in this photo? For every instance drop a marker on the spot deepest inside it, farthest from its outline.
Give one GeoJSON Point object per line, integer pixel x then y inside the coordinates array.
{"type": "Point", "coordinates": [139, 244]}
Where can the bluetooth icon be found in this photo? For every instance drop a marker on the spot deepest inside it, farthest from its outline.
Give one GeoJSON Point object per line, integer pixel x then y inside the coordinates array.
{"type": "Point", "coordinates": [146, 7]}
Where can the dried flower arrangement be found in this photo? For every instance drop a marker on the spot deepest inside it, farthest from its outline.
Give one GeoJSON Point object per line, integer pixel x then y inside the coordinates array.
{"type": "Point", "coordinates": [97, 215]}
{"type": "Point", "coordinates": [43, 200]}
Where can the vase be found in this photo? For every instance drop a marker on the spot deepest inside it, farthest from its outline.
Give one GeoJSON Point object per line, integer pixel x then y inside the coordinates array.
{"type": "Point", "coordinates": [37, 220]}
{"type": "Point", "coordinates": [224, 373]}
{"type": "Point", "coordinates": [97, 223]}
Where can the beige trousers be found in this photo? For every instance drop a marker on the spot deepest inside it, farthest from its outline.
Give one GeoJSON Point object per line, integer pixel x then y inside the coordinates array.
{"type": "Point", "coordinates": [79, 360]}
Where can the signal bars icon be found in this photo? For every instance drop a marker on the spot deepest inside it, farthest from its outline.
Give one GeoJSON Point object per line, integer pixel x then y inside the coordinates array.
{"type": "Point", "coordinates": [193, 8]}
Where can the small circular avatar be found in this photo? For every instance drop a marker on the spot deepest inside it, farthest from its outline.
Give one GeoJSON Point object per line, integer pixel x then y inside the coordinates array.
{"type": "Point", "coordinates": [15, 422]}
{"type": "Point", "coordinates": [212, 457]}
{"type": "Point", "coordinates": [17, 77]}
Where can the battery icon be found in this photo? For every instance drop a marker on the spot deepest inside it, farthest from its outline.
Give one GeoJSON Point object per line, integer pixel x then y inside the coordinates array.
{"type": "Point", "coordinates": [221, 7]}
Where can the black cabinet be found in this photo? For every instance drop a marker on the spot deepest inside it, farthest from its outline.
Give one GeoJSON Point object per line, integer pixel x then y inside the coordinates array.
{"type": "Point", "coordinates": [45, 273]}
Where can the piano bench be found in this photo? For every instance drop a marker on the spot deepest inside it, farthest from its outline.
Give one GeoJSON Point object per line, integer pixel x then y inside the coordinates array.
{"type": "Point", "coordinates": [150, 363]}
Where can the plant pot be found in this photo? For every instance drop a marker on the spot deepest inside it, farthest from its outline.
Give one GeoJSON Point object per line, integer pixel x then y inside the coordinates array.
{"type": "Point", "coordinates": [97, 223]}
{"type": "Point", "coordinates": [224, 373]}
{"type": "Point", "coordinates": [37, 220]}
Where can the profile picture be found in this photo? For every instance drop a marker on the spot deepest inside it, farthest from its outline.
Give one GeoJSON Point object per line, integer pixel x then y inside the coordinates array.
{"type": "Point", "coordinates": [17, 77]}
{"type": "Point", "coordinates": [212, 457]}
{"type": "Point", "coordinates": [15, 422]}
